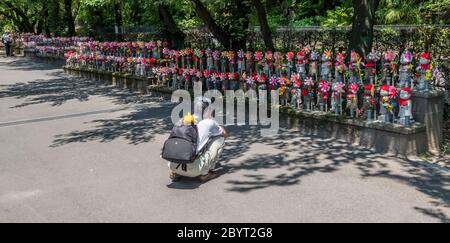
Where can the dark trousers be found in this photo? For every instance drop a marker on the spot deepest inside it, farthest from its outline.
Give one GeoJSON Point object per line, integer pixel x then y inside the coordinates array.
{"type": "Point", "coordinates": [8, 50]}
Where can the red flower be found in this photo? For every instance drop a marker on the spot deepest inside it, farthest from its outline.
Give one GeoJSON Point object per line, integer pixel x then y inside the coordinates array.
{"type": "Point", "coordinates": [305, 92]}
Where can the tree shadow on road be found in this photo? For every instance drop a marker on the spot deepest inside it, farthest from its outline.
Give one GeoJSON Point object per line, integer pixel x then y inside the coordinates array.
{"type": "Point", "coordinates": [139, 126]}
{"type": "Point", "coordinates": [432, 181]}
{"type": "Point", "coordinates": [287, 158]}
{"type": "Point", "coordinates": [293, 154]}
{"type": "Point", "coordinates": [63, 88]}
{"type": "Point", "coordinates": [33, 64]}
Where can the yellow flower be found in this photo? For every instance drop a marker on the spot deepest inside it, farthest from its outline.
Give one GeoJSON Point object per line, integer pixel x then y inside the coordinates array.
{"type": "Point", "coordinates": [282, 90]}
{"type": "Point", "coordinates": [428, 75]}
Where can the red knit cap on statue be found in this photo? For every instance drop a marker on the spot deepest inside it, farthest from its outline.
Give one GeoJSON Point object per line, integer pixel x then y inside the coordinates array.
{"type": "Point", "coordinates": [426, 55]}
{"type": "Point", "coordinates": [384, 87]}
{"type": "Point", "coordinates": [300, 53]}
{"type": "Point", "coordinates": [407, 89]}
{"type": "Point", "coordinates": [368, 87]}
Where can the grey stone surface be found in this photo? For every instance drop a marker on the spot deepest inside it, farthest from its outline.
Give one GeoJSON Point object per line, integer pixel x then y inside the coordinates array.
{"type": "Point", "coordinates": [83, 151]}
{"type": "Point", "coordinates": [428, 109]}
{"type": "Point", "coordinates": [379, 140]}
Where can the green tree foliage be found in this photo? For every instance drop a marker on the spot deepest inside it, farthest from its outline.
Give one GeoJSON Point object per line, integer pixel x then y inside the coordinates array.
{"type": "Point", "coordinates": [230, 15]}
{"type": "Point", "coordinates": [173, 19]}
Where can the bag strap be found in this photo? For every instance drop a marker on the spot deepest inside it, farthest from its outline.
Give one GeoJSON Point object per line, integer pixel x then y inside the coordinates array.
{"type": "Point", "coordinates": [183, 167]}
{"type": "Point", "coordinates": [203, 150]}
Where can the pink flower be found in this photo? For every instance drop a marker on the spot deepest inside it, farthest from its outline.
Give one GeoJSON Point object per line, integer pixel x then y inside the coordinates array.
{"type": "Point", "coordinates": [250, 80]}
{"type": "Point", "coordinates": [166, 51]}
{"type": "Point", "coordinates": [339, 87]}
{"type": "Point", "coordinates": [199, 74]}
{"type": "Point", "coordinates": [314, 55]}
{"type": "Point", "coordinates": [223, 76]}
{"type": "Point", "coordinates": [216, 55]}
{"type": "Point", "coordinates": [274, 81]}
{"type": "Point", "coordinates": [277, 56]}
{"type": "Point", "coordinates": [290, 56]}
{"type": "Point", "coordinates": [258, 56]}
{"type": "Point", "coordinates": [393, 91]}
{"type": "Point", "coordinates": [241, 54]}
{"type": "Point", "coordinates": [309, 81]}
{"type": "Point", "coordinates": [353, 88]}
{"type": "Point", "coordinates": [324, 87]}
{"type": "Point", "coordinates": [269, 55]}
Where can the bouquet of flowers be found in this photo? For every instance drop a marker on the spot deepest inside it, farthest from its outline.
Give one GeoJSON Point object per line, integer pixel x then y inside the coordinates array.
{"type": "Point", "coordinates": [405, 69]}
{"type": "Point", "coordinates": [241, 61]}
{"type": "Point", "coordinates": [371, 66]}
{"type": "Point", "coordinates": [340, 67]}
{"type": "Point", "coordinates": [262, 81]}
{"type": "Point", "coordinates": [354, 67]}
{"type": "Point", "coordinates": [336, 103]}
{"type": "Point", "coordinates": [308, 92]}
{"type": "Point", "coordinates": [323, 94]}
{"type": "Point", "coordinates": [231, 56]}
{"type": "Point", "coordinates": [352, 98]}
{"type": "Point", "coordinates": [325, 67]}
{"type": "Point", "coordinates": [424, 74]}
{"type": "Point", "coordinates": [199, 58]}
{"type": "Point", "coordinates": [278, 62]}
{"type": "Point", "coordinates": [370, 102]}
{"type": "Point", "coordinates": [308, 89]}
{"type": "Point", "coordinates": [313, 66]}
{"type": "Point", "coordinates": [390, 61]}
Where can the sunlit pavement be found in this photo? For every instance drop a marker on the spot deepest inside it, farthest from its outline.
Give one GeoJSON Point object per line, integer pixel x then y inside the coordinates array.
{"type": "Point", "coordinates": [80, 150]}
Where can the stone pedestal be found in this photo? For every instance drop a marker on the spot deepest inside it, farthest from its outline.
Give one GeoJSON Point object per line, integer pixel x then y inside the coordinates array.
{"type": "Point", "coordinates": [29, 52]}
{"type": "Point", "coordinates": [380, 137]}
{"type": "Point", "coordinates": [428, 109]}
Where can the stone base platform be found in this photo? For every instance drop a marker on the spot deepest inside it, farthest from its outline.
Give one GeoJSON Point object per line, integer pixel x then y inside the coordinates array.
{"type": "Point", "coordinates": [375, 135]}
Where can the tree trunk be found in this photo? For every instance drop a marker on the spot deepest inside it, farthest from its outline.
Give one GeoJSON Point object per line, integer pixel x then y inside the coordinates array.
{"type": "Point", "coordinates": [362, 28]}
{"type": "Point", "coordinates": [265, 29]}
{"type": "Point", "coordinates": [70, 22]}
{"type": "Point", "coordinates": [211, 24]}
{"type": "Point", "coordinates": [118, 19]}
{"type": "Point", "coordinates": [171, 30]}
{"type": "Point", "coordinates": [328, 4]}
{"type": "Point", "coordinates": [46, 27]}
{"type": "Point", "coordinates": [55, 20]}
{"type": "Point", "coordinates": [136, 9]}
{"type": "Point", "coordinates": [241, 12]}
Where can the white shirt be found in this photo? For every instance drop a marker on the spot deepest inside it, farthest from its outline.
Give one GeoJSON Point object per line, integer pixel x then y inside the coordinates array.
{"type": "Point", "coordinates": [207, 129]}
{"type": "Point", "coordinates": [6, 39]}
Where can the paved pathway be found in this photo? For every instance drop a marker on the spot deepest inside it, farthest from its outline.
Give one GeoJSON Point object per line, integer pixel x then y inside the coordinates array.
{"type": "Point", "coordinates": [79, 150]}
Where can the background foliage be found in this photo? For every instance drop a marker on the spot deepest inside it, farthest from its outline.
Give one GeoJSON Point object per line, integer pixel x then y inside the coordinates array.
{"type": "Point", "coordinates": [92, 16]}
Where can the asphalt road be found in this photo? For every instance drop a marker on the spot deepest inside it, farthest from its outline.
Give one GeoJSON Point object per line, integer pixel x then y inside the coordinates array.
{"type": "Point", "coordinates": [75, 149]}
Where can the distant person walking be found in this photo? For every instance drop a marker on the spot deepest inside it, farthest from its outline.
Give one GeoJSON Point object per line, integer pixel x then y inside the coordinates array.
{"type": "Point", "coordinates": [7, 41]}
